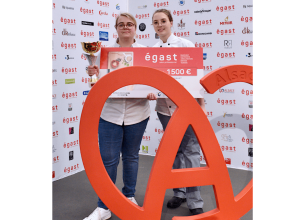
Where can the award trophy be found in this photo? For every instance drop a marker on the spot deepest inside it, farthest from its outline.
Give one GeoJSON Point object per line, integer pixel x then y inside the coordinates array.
{"type": "Point", "coordinates": [91, 48]}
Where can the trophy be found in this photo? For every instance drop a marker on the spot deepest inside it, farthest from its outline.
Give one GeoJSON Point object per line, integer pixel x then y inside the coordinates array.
{"type": "Point", "coordinates": [91, 48]}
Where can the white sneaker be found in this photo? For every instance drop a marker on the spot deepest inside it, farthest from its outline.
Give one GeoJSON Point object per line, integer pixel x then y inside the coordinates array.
{"type": "Point", "coordinates": [133, 200]}
{"type": "Point", "coordinates": [99, 214]}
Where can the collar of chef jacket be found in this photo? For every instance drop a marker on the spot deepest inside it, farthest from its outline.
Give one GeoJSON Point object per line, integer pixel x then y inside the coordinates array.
{"type": "Point", "coordinates": [171, 40]}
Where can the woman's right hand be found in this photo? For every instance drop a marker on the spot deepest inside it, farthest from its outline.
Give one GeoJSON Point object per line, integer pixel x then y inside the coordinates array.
{"type": "Point", "coordinates": [93, 70]}
{"type": "Point", "coordinates": [151, 96]}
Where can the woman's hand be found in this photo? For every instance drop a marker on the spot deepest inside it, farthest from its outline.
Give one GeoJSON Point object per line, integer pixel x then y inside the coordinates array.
{"type": "Point", "coordinates": [93, 70]}
{"type": "Point", "coordinates": [202, 105]}
{"type": "Point", "coordinates": [151, 96]}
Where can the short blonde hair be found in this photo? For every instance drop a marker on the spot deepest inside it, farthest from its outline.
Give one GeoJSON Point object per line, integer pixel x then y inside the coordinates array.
{"type": "Point", "coordinates": [128, 15]}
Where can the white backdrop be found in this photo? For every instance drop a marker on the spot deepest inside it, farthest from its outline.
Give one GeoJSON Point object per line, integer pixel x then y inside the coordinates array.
{"type": "Point", "coordinates": [223, 28]}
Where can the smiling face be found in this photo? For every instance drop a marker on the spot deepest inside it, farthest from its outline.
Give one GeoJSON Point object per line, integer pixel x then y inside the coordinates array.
{"type": "Point", "coordinates": [162, 25]}
{"type": "Point", "coordinates": [125, 32]}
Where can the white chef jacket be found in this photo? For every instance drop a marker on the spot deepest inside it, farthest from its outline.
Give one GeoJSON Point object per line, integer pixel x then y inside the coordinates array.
{"type": "Point", "coordinates": [125, 110]}
{"type": "Point", "coordinates": [164, 105]}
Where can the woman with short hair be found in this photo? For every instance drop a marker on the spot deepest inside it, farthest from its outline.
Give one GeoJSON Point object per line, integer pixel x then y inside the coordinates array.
{"type": "Point", "coordinates": [122, 125]}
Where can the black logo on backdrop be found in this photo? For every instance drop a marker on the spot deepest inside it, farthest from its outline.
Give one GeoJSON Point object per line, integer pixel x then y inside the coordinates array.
{"type": "Point", "coordinates": [250, 151]}
{"type": "Point", "coordinates": [250, 104]}
{"type": "Point", "coordinates": [68, 57]}
{"type": "Point", "coordinates": [88, 23]}
{"type": "Point", "coordinates": [71, 130]}
{"type": "Point", "coordinates": [206, 33]}
{"type": "Point", "coordinates": [249, 55]}
{"type": "Point", "coordinates": [69, 106]}
{"type": "Point", "coordinates": [142, 27]}
{"type": "Point", "coordinates": [201, 11]}
{"type": "Point", "coordinates": [228, 44]}
{"type": "Point", "coordinates": [71, 155]}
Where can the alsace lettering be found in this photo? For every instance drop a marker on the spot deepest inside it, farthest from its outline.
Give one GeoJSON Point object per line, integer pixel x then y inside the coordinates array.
{"type": "Point", "coordinates": [232, 76]}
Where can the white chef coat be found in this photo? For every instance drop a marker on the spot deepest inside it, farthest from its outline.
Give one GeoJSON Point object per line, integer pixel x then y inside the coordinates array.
{"type": "Point", "coordinates": [125, 110]}
{"type": "Point", "coordinates": [164, 105]}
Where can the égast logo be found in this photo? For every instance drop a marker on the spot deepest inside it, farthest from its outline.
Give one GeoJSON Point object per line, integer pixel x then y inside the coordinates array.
{"type": "Point", "coordinates": [202, 1]}
{"type": "Point", "coordinates": [69, 95]}
{"type": "Point", "coordinates": [103, 4]}
{"type": "Point", "coordinates": [86, 11]}
{"type": "Point", "coordinates": [161, 4]}
{"type": "Point", "coordinates": [68, 21]}
{"type": "Point", "coordinates": [181, 12]}
{"type": "Point", "coordinates": [225, 8]}
{"type": "Point", "coordinates": [203, 22]}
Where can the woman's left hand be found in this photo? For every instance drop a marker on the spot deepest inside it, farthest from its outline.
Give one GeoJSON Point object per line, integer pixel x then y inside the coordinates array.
{"type": "Point", "coordinates": [151, 96]}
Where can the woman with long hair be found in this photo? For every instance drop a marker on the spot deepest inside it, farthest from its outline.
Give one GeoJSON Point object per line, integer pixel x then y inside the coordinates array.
{"type": "Point", "coordinates": [188, 155]}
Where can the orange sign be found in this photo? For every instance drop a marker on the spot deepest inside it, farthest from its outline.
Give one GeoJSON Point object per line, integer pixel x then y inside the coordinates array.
{"type": "Point", "coordinates": [162, 175]}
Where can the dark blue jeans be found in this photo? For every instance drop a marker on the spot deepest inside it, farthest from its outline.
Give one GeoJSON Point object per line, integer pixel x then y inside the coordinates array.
{"type": "Point", "coordinates": [126, 139]}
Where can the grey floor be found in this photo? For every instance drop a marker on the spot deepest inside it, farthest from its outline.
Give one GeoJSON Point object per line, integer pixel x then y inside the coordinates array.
{"type": "Point", "coordinates": [75, 199]}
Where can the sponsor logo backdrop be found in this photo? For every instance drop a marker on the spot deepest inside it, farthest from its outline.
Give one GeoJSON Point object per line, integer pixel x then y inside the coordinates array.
{"type": "Point", "coordinates": [224, 29]}
{"type": "Point", "coordinates": [74, 22]}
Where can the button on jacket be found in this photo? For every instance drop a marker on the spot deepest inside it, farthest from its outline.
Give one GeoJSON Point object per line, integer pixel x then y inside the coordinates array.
{"type": "Point", "coordinates": [164, 105]}
{"type": "Point", "coordinates": [125, 110]}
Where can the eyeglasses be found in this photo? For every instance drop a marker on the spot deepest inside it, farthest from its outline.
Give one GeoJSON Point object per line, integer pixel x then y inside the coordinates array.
{"type": "Point", "coordinates": [128, 25]}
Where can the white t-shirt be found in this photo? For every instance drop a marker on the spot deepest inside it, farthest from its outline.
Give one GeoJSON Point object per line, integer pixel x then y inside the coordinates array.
{"type": "Point", "coordinates": [127, 110]}
{"type": "Point", "coordinates": [164, 105]}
